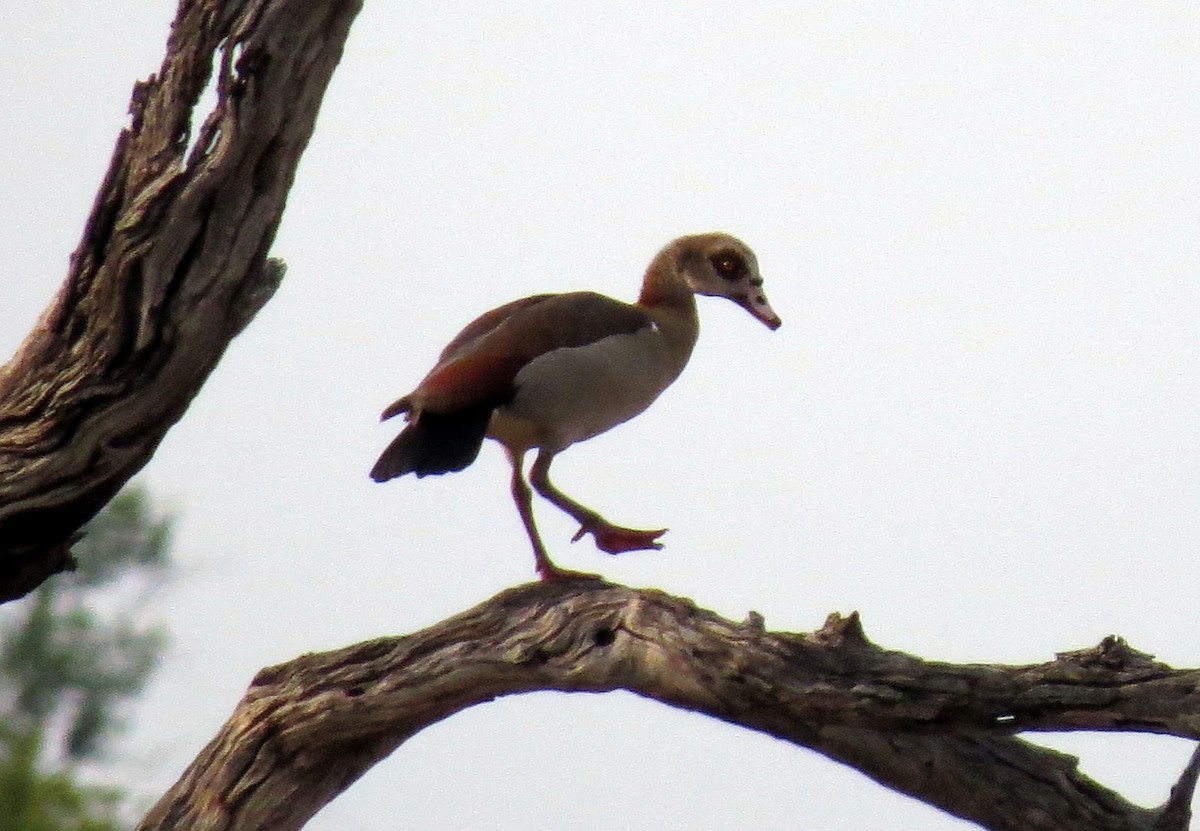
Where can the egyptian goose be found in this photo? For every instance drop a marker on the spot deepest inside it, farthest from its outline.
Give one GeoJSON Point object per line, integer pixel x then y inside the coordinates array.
{"type": "Point", "coordinates": [551, 370]}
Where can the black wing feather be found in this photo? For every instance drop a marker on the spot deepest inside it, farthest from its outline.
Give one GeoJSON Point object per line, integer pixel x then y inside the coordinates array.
{"type": "Point", "coordinates": [435, 443]}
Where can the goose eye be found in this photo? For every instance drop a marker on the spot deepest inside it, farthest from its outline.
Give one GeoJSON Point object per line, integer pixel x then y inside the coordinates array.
{"type": "Point", "coordinates": [727, 266]}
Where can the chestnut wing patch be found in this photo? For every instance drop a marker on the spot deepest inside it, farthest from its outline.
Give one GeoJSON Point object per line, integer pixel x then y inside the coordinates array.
{"type": "Point", "coordinates": [479, 365]}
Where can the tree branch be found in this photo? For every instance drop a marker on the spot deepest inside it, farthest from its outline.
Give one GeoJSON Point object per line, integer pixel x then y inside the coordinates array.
{"type": "Point", "coordinates": [172, 265]}
{"type": "Point", "coordinates": [1176, 813]}
{"type": "Point", "coordinates": [308, 728]}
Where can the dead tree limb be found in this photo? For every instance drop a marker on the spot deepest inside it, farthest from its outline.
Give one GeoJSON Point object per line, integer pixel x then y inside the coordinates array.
{"type": "Point", "coordinates": [172, 265]}
{"type": "Point", "coordinates": [308, 728]}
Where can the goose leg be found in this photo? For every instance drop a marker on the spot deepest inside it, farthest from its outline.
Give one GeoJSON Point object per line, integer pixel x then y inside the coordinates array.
{"type": "Point", "coordinates": [611, 539]}
{"type": "Point", "coordinates": [524, 498]}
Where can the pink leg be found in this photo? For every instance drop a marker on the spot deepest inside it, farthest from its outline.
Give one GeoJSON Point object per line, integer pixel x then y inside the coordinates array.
{"type": "Point", "coordinates": [524, 498]}
{"type": "Point", "coordinates": [611, 539]}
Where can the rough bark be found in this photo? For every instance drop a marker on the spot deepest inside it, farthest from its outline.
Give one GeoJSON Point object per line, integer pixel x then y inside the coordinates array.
{"type": "Point", "coordinates": [172, 265]}
{"type": "Point", "coordinates": [308, 728]}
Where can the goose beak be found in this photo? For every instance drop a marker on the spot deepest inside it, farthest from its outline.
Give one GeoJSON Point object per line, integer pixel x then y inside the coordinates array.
{"type": "Point", "coordinates": [757, 305]}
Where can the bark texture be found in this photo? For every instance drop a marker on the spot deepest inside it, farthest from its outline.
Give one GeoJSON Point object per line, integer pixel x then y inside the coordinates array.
{"type": "Point", "coordinates": [172, 265]}
{"type": "Point", "coordinates": [308, 728]}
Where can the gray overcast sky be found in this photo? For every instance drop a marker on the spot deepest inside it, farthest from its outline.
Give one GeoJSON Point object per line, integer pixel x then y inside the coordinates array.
{"type": "Point", "coordinates": [977, 426]}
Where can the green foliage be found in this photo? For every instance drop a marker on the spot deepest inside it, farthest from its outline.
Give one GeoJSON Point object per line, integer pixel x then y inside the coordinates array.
{"type": "Point", "coordinates": [34, 801]}
{"type": "Point", "coordinates": [71, 656]}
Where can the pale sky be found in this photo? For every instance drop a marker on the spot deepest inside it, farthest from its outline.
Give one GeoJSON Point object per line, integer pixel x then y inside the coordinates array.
{"type": "Point", "coordinates": [977, 425]}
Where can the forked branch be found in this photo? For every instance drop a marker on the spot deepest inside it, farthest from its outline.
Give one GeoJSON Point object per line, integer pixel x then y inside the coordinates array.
{"type": "Point", "coordinates": [940, 732]}
{"type": "Point", "coordinates": [173, 263]}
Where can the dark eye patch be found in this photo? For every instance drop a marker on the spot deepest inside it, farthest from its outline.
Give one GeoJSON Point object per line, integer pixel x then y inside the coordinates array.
{"type": "Point", "coordinates": [729, 265]}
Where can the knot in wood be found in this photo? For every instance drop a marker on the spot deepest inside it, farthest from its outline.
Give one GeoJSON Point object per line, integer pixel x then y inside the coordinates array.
{"type": "Point", "coordinates": [1114, 654]}
{"type": "Point", "coordinates": [840, 631]}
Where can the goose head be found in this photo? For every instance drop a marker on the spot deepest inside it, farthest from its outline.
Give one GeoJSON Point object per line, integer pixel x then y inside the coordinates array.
{"type": "Point", "coordinates": [720, 265]}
